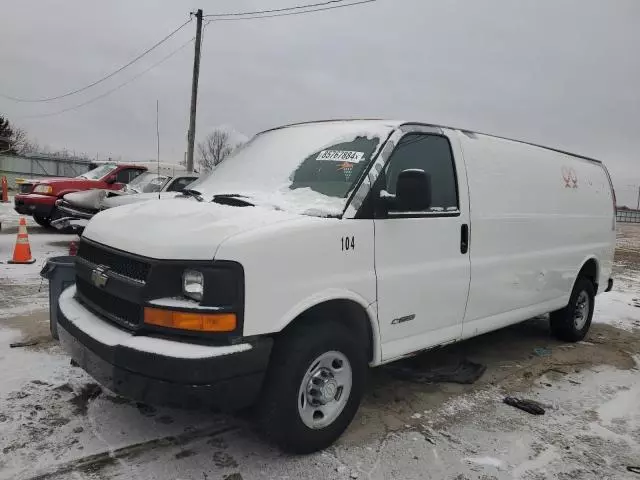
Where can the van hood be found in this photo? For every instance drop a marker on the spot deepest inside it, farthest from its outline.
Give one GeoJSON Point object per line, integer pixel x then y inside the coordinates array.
{"type": "Point", "coordinates": [177, 229]}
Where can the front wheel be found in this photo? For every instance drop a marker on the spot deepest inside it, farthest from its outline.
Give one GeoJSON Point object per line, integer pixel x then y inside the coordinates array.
{"type": "Point", "coordinates": [572, 323]}
{"type": "Point", "coordinates": [314, 386]}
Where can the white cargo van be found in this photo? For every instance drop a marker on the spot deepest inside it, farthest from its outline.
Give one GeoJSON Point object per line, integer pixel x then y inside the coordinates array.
{"type": "Point", "coordinates": [321, 249]}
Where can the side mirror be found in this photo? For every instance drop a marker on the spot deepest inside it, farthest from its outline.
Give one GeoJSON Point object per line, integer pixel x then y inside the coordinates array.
{"type": "Point", "coordinates": [413, 191]}
{"type": "Point", "coordinates": [111, 179]}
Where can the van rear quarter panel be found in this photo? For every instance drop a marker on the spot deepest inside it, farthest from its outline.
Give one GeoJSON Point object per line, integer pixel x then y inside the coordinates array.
{"type": "Point", "coordinates": [536, 217]}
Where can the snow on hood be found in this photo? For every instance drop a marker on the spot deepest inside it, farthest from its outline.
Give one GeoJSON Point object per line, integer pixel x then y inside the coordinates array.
{"type": "Point", "coordinates": [119, 200]}
{"type": "Point", "coordinates": [67, 180]}
{"type": "Point", "coordinates": [86, 199]}
{"type": "Point", "coordinates": [177, 229]}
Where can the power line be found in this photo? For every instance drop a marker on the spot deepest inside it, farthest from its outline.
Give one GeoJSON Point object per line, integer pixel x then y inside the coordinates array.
{"type": "Point", "coordinates": [286, 14]}
{"type": "Point", "coordinates": [149, 50]}
{"type": "Point", "coordinates": [259, 12]}
{"type": "Point", "coordinates": [109, 92]}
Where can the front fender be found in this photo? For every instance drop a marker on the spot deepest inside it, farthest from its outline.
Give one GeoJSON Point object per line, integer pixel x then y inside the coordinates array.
{"type": "Point", "coordinates": [337, 294]}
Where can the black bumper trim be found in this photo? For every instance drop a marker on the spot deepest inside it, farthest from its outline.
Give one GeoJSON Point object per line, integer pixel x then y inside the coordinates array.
{"type": "Point", "coordinates": [41, 210]}
{"type": "Point", "coordinates": [227, 382]}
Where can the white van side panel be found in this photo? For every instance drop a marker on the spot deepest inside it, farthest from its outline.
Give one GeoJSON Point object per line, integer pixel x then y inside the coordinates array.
{"type": "Point", "coordinates": [289, 270]}
{"type": "Point", "coordinates": [536, 217]}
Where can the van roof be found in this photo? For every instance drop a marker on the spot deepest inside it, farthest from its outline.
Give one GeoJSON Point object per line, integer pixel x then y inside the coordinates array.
{"type": "Point", "coordinates": [398, 123]}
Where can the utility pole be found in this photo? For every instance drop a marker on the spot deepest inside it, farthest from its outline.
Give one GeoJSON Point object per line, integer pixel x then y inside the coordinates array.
{"type": "Point", "coordinates": [194, 93]}
{"type": "Point", "coordinates": [638, 206]}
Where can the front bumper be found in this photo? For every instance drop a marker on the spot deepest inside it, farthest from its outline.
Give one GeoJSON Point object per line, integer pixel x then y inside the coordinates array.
{"type": "Point", "coordinates": [160, 371]}
{"type": "Point", "coordinates": [32, 204]}
{"type": "Point", "coordinates": [77, 225]}
{"type": "Point", "coordinates": [68, 211]}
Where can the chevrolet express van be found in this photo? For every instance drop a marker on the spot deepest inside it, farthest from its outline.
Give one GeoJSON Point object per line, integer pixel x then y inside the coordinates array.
{"type": "Point", "coordinates": [321, 249]}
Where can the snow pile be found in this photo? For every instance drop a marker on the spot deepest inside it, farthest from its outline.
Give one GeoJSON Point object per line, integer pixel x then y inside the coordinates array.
{"type": "Point", "coordinates": [619, 308]}
{"type": "Point", "coordinates": [22, 290]}
{"type": "Point", "coordinates": [9, 217]}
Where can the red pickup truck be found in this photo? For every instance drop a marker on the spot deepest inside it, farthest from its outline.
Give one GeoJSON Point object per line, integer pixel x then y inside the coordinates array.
{"type": "Point", "coordinates": [38, 198]}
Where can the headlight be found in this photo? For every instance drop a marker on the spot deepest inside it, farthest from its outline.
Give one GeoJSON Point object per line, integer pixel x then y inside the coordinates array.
{"type": "Point", "coordinates": [193, 284]}
{"type": "Point", "coordinates": [45, 189]}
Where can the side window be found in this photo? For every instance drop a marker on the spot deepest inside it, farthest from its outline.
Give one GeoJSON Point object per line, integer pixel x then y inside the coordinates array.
{"type": "Point", "coordinates": [179, 184]}
{"type": "Point", "coordinates": [127, 174]}
{"type": "Point", "coordinates": [432, 154]}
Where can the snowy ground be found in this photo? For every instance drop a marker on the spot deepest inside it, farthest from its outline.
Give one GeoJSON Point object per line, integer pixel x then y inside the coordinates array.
{"type": "Point", "coordinates": [21, 289]}
{"type": "Point", "coordinates": [55, 423]}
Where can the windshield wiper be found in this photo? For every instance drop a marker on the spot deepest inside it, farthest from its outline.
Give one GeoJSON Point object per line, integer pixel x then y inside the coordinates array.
{"type": "Point", "coordinates": [193, 193]}
{"type": "Point", "coordinates": [232, 199]}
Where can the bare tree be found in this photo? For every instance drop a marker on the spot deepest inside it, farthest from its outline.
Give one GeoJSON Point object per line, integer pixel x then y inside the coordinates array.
{"type": "Point", "coordinates": [214, 149]}
{"type": "Point", "coordinates": [15, 140]}
{"type": "Point", "coordinates": [6, 135]}
{"type": "Point", "coordinates": [22, 144]}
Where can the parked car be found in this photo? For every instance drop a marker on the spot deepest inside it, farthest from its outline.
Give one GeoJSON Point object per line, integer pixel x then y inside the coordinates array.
{"type": "Point", "coordinates": [319, 250]}
{"type": "Point", "coordinates": [37, 197]}
{"type": "Point", "coordinates": [76, 209]}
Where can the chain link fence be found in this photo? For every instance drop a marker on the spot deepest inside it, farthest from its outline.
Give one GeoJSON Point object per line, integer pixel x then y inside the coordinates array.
{"type": "Point", "coordinates": [627, 216]}
{"type": "Point", "coordinates": [17, 167]}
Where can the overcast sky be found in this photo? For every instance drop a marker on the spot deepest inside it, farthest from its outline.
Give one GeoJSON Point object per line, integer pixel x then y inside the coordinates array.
{"type": "Point", "coordinates": [565, 73]}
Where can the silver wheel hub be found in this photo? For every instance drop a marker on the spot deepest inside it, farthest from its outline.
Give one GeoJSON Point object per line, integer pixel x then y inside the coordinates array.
{"type": "Point", "coordinates": [324, 390]}
{"type": "Point", "coordinates": [581, 312]}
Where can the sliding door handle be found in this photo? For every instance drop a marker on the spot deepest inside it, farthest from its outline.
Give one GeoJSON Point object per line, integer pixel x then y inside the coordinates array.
{"type": "Point", "coordinates": [464, 238]}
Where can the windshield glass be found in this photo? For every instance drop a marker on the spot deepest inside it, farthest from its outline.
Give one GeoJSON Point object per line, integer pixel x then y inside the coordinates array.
{"type": "Point", "coordinates": [309, 169]}
{"type": "Point", "coordinates": [147, 182]}
{"type": "Point", "coordinates": [99, 172]}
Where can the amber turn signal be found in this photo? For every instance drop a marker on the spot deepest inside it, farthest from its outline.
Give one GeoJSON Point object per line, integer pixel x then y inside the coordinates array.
{"type": "Point", "coordinates": [200, 322]}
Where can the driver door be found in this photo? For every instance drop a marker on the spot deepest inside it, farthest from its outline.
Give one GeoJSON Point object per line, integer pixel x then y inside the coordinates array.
{"type": "Point", "coordinates": [421, 257]}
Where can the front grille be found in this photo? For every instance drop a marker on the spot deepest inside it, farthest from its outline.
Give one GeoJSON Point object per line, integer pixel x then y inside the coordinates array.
{"type": "Point", "coordinates": [118, 263]}
{"type": "Point", "coordinates": [25, 188]}
{"type": "Point", "coordinates": [121, 311]}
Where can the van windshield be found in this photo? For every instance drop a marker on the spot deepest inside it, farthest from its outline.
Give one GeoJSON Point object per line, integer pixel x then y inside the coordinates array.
{"type": "Point", "coordinates": [308, 169]}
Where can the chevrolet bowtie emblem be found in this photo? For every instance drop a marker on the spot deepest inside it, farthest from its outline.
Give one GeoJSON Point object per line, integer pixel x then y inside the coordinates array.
{"type": "Point", "coordinates": [98, 276]}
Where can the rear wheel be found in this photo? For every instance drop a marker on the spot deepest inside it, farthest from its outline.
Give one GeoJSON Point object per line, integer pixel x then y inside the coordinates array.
{"type": "Point", "coordinates": [572, 323]}
{"type": "Point", "coordinates": [314, 386]}
{"type": "Point", "coordinates": [42, 221]}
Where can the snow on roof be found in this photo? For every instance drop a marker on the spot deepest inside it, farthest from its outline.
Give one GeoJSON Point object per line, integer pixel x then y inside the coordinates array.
{"type": "Point", "coordinates": [365, 123]}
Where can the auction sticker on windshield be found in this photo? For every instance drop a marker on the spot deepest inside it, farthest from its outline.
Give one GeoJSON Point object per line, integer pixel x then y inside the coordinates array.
{"type": "Point", "coordinates": [340, 156]}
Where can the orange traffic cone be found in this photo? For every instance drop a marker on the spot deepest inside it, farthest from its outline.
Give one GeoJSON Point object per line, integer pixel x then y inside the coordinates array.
{"type": "Point", "coordinates": [73, 248]}
{"type": "Point", "coordinates": [4, 196]}
{"type": "Point", "coordinates": [22, 252]}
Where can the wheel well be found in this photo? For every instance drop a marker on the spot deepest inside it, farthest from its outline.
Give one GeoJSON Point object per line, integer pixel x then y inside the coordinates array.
{"type": "Point", "coordinates": [348, 312]}
{"type": "Point", "coordinates": [590, 270]}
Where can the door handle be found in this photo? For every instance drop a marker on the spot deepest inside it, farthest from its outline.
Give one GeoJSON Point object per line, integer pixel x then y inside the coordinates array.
{"type": "Point", "coordinates": [464, 238]}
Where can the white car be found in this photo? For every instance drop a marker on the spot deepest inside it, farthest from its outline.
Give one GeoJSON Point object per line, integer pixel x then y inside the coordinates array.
{"type": "Point", "coordinates": [319, 250]}
{"type": "Point", "coordinates": [76, 209]}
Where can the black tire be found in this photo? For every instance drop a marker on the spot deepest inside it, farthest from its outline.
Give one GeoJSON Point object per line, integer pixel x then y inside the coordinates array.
{"type": "Point", "coordinates": [43, 221]}
{"type": "Point", "coordinates": [292, 357]}
{"type": "Point", "coordinates": [563, 322]}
